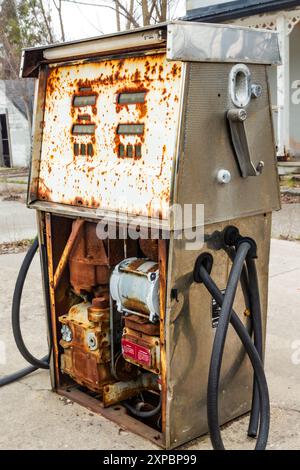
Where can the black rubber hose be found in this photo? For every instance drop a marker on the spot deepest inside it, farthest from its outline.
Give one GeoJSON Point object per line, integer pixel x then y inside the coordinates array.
{"type": "Point", "coordinates": [36, 363]}
{"type": "Point", "coordinates": [218, 347]}
{"type": "Point", "coordinates": [250, 289]}
{"type": "Point", "coordinates": [8, 379]}
{"type": "Point", "coordinates": [254, 358]}
{"type": "Point", "coordinates": [142, 414]}
{"type": "Point", "coordinates": [258, 341]}
{"type": "Point", "coordinates": [16, 304]}
{"type": "Point", "coordinates": [244, 276]}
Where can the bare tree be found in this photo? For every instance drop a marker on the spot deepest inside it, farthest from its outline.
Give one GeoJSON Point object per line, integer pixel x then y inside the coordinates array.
{"type": "Point", "coordinates": [145, 12]}
{"type": "Point", "coordinates": [133, 13]}
{"type": "Point", "coordinates": [46, 19]}
{"type": "Point", "coordinates": [131, 8]}
{"type": "Point", "coordinates": [58, 6]}
{"type": "Point", "coordinates": [118, 18]}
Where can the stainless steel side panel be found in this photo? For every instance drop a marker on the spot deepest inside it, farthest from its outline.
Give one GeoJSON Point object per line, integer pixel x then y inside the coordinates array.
{"type": "Point", "coordinates": [202, 42]}
{"type": "Point", "coordinates": [206, 147]}
{"type": "Point", "coordinates": [189, 335]}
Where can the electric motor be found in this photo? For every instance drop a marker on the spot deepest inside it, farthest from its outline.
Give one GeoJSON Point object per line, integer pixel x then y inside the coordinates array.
{"type": "Point", "coordinates": [134, 285]}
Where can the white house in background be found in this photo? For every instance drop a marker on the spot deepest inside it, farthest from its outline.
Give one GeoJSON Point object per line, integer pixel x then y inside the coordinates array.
{"type": "Point", "coordinates": [15, 138]}
{"type": "Point", "coordinates": [282, 16]}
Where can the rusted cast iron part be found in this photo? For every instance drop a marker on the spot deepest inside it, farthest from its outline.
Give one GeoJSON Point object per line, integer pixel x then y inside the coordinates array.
{"type": "Point", "coordinates": [88, 261]}
{"type": "Point", "coordinates": [120, 391]}
{"type": "Point", "coordinates": [95, 312]}
{"type": "Point", "coordinates": [86, 364]}
{"type": "Point", "coordinates": [142, 325]}
{"type": "Point", "coordinates": [76, 227]}
{"type": "Point", "coordinates": [125, 370]}
{"type": "Point", "coordinates": [91, 259]}
{"type": "Point", "coordinates": [149, 248]}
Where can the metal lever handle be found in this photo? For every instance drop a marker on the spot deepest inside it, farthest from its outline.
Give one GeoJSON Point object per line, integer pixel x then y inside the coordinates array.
{"type": "Point", "coordinates": [236, 119]}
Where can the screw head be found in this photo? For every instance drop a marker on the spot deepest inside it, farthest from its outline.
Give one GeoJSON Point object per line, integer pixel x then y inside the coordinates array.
{"type": "Point", "coordinates": [256, 90]}
{"type": "Point", "coordinates": [223, 176]}
{"type": "Point", "coordinates": [260, 167]}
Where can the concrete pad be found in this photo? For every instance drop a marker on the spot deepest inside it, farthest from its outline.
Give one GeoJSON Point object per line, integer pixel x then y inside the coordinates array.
{"type": "Point", "coordinates": [17, 222]}
{"type": "Point", "coordinates": [32, 417]}
{"type": "Point", "coordinates": [286, 223]}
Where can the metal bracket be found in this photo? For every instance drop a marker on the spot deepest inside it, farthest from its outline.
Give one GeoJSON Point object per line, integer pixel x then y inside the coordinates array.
{"type": "Point", "coordinates": [236, 119]}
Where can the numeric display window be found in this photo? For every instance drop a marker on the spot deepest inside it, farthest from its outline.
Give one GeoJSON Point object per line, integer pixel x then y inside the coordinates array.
{"type": "Point", "coordinates": [80, 101]}
{"type": "Point", "coordinates": [130, 129]}
{"type": "Point", "coordinates": [132, 98]}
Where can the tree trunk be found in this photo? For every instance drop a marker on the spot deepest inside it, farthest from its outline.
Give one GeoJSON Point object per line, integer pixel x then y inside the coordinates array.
{"type": "Point", "coordinates": [118, 19]}
{"type": "Point", "coordinates": [48, 27]}
{"type": "Point", "coordinates": [61, 23]}
{"type": "Point", "coordinates": [131, 6]}
{"type": "Point", "coordinates": [164, 10]}
{"type": "Point", "coordinates": [145, 12]}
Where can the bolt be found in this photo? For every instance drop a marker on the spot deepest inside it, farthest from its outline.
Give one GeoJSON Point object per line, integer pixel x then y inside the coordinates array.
{"type": "Point", "coordinates": [224, 176]}
{"type": "Point", "coordinates": [237, 115]}
{"type": "Point", "coordinates": [256, 90]}
{"type": "Point", "coordinates": [260, 167]}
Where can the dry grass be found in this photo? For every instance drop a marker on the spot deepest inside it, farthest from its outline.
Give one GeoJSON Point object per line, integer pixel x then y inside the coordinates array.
{"type": "Point", "coordinates": [15, 247]}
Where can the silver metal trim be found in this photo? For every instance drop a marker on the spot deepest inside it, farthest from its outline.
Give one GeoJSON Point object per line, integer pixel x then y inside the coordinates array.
{"type": "Point", "coordinates": [206, 42]}
{"type": "Point", "coordinates": [186, 41]}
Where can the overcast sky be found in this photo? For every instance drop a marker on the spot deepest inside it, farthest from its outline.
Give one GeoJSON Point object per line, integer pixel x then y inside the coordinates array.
{"type": "Point", "coordinates": [90, 20]}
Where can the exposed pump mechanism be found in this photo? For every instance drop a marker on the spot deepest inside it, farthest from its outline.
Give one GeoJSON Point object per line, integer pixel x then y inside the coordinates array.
{"type": "Point", "coordinates": [134, 287]}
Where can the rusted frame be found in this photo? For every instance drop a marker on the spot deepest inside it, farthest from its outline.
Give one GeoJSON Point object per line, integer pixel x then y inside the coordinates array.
{"type": "Point", "coordinates": [117, 414]}
{"type": "Point", "coordinates": [162, 257]}
{"type": "Point", "coordinates": [39, 111]}
{"type": "Point", "coordinates": [40, 220]}
{"type": "Point", "coordinates": [76, 227]}
{"type": "Point", "coordinates": [52, 297]}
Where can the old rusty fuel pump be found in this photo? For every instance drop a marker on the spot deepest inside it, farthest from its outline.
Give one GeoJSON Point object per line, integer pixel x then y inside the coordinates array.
{"type": "Point", "coordinates": [126, 127]}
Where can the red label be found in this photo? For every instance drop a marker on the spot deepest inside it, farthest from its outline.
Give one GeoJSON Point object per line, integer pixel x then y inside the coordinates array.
{"type": "Point", "coordinates": [136, 352]}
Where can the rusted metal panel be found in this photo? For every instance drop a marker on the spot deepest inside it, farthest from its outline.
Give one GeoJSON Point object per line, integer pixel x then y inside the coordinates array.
{"type": "Point", "coordinates": [37, 127]}
{"type": "Point", "coordinates": [163, 261]}
{"type": "Point", "coordinates": [52, 296]}
{"type": "Point", "coordinates": [117, 414]}
{"type": "Point", "coordinates": [101, 168]}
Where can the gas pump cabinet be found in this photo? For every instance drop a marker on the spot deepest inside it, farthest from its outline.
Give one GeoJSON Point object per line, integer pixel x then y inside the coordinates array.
{"type": "Point", "coordinates": [126, 126]}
